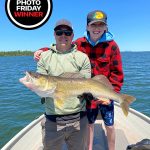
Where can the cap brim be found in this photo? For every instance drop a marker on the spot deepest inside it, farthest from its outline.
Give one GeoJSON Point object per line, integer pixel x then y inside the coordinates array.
{"type": "Point", "coordinates": [96, 21]}
{"type": "Point", "coordinates": [63, 25]}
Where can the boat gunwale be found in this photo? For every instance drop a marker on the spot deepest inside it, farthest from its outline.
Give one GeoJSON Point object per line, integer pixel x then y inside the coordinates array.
{"type": "Point", "coordinates": [137, 113]}
{"type": "Point", "coordinates": [19, 135]}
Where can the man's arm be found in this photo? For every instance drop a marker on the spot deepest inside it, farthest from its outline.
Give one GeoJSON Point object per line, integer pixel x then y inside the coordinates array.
{"type": "Point", "coordinates": [41, 66]}
{"type": "Point", "coordinates": [86, 68]}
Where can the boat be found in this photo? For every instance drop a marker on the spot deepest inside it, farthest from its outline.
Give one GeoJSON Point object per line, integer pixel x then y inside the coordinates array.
{"type": "Point", "coordinates": [129, 130]}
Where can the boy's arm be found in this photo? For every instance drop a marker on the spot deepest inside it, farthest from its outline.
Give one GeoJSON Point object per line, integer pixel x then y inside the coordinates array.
{"type": "Point", "coordinates": [116, 70]}
{"type": "Point", "coordinates": [37, 53]}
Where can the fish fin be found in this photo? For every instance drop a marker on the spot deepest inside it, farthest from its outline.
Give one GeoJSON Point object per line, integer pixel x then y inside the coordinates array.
{"type": "Point", "coordinates": [59, 102]}
{"type": "Point", "coordinates": [127, 100]}
{"type": "Point", "coordinates": [59, 98]}
{"type": "Point", "coordinates": [104, 80]}
{"type": "Point", "coordinates": [71, 75]}
{"type": "Point", "coordinates": [125, 108]}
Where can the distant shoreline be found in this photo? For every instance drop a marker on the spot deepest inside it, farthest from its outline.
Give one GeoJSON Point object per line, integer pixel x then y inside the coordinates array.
{"type": "Point", "coordinates": [30, 53]}
{"type": "Point", "coordinates": [16, 53]}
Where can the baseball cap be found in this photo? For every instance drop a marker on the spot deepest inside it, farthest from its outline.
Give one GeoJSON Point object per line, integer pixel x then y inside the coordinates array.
{"type": "Point", "coordinates": [96, 16]}
{"type": "Point", "coordinates": [63, 22]}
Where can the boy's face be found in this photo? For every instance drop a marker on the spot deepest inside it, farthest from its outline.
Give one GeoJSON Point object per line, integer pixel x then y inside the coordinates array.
{"type": "Point", "coordinates": [96, 30]}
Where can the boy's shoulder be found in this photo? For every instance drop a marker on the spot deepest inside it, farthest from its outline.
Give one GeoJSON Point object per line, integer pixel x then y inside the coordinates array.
{"type": "Point", "coordinates": [80, 40]}
{"type": "Point", "coordinates": [112, 43]}
{"type": "Point", "coordinates": [79, 53]}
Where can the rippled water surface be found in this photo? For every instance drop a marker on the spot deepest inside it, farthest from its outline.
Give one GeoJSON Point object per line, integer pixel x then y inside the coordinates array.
{"type": "Point", "coordinates": [19, 106]}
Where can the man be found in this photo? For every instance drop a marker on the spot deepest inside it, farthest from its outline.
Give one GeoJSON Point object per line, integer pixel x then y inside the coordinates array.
{"type": "Point", "coordinates": [105, 59]}
{"type": "Point", "coordinates": [64, 120]}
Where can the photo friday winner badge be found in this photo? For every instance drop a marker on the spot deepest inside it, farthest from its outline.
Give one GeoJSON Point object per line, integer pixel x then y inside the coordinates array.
{"type": "Point", "coordinates": [28, 14]}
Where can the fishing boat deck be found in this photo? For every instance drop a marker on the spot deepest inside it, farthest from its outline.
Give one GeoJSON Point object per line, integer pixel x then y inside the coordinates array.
{"type": "Point", "coordinates": [129, 130]}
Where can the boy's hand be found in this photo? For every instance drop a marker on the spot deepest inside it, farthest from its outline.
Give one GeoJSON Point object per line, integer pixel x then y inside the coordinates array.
{"type": "Point", "coordinates": [37, 54]}
{"type": "Point", "coordinates": [103, 101]}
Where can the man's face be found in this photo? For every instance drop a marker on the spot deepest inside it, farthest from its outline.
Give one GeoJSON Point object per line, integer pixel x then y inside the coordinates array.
{"type": "Point", "coordinates": [63, 36]}
{"type": "Point", "coordinates": [96, 30]}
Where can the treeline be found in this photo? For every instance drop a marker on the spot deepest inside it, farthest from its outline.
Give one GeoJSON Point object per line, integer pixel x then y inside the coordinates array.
{"type": "Point", "coordinates": [16, 53]}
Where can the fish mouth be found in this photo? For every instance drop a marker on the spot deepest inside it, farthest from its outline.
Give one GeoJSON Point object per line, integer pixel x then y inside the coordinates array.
{"type": "Point", "coordinates": [27, 78]}
{"type": "Point", "coordinates": [33, 75]}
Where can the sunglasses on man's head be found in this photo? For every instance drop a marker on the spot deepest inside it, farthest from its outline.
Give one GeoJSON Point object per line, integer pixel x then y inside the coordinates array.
{"type": "Point", "coordinates": [61, 32]}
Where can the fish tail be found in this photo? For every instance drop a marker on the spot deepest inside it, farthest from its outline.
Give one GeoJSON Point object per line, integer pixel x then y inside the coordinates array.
{"type": "Point", "coordinates": [127, 100]}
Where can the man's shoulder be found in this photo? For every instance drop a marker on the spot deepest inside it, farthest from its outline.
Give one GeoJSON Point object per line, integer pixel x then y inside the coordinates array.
{"type": "Point", "coordinates": [47, 53]}
{"type": "Point", "coordinates": [79, 55]}
{"type": "Point", "coordinates": [77, 52]}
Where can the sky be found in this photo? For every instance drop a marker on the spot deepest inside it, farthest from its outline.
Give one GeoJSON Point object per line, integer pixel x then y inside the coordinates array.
{"type": "Point", "coordinates": [128, 20]}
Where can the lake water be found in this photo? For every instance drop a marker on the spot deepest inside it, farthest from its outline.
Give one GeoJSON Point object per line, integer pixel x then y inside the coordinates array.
{"type": "Point", "coordinates": [19, 106]}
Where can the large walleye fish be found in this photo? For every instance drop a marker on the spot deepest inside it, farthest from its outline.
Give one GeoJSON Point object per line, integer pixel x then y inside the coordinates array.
{"type": "Point", "coordinates": [62, 87]}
